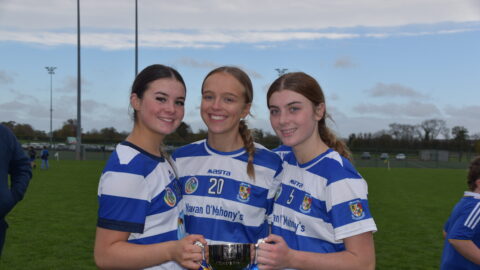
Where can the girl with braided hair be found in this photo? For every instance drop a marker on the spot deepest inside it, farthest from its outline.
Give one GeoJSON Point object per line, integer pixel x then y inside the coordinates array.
{"type": "Point", "coordinates": [321, 218]}
{"type": "Point", "coordinates": [228, 181]}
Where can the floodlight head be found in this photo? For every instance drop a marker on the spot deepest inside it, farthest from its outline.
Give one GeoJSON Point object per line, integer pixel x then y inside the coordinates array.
{"type": "Point", "coordinates": [51, 70]}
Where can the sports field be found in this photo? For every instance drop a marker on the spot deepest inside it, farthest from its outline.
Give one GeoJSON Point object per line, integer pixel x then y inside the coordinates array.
{"type": "Point", "coordinates": [54, 226]}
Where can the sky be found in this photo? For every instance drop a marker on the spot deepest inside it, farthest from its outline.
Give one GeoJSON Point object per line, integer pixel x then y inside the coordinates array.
{"type": "Point", "coordinates": [378, 62]}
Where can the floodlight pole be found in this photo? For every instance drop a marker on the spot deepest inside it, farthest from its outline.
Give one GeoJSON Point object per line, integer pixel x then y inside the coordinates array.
{"type": "Point", "coordinates": [51, 71]}
{"type": "Point", "coordinates": [136, 38]}
{"type": "Point", "coordinates": [78, 149]}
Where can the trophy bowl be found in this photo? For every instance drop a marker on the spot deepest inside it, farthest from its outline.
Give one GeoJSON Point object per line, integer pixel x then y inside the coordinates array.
{"type": "Point", "coordinates": [231, 256]}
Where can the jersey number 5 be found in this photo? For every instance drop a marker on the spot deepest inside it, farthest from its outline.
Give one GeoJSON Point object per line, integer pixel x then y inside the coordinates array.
{"type": "Point", "coordinates": [216, 186]}
{"type": "Point", "coordinates": [290, 198]}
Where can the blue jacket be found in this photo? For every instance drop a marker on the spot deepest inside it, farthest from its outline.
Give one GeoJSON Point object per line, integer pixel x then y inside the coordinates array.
{"type": "Point", "coordinates": [15, 163]}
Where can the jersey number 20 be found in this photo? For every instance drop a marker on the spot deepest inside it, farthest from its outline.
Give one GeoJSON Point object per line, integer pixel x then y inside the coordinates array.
{"type": "Point", "coordinates": [216, 186]}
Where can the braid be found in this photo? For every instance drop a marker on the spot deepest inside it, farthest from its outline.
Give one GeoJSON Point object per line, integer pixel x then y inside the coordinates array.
{"type": "Point", "coordinates": [168, 158]}
{"type": "Point", "coordinates": [248, 142]}
{"type": "Point", "coordinates": [331, 140]}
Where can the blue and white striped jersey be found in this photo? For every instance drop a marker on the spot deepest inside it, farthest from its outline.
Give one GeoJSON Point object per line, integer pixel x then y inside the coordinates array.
{"type": "Point", "coordinates": [221, 202]}
{"type": "Point", "coordinates": [139, 193]}
{"type": "Point", "coordinates": [320, 203]}
{"type": "Point", "coordinates": [463, 224]}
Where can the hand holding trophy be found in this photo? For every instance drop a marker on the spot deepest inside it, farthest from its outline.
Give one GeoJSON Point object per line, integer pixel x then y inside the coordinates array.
{"type": "Point", "coordinates": [204, 264]}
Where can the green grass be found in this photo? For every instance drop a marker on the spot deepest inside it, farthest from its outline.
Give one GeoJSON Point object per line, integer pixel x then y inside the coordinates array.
{"type": "Point", "coordinates": [54, 226]}
{"type": "Point", "coordinates": [410, 207]}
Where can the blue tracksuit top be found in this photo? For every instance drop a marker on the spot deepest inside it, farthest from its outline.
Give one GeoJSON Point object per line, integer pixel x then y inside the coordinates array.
{"type": "Point", "coordinates": [14, 163]}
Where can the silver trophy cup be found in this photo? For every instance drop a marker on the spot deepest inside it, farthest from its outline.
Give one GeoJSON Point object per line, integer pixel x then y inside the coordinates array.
{"type": "Point", "coordinates": [231, 256]}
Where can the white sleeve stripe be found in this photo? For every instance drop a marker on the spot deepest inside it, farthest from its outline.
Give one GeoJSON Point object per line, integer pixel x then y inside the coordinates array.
{"type": "Point", "coordinates": [124, 185]}
{"type": "Point", "coordinates": [472, 219]}
{"type": "Point", "coordinates": [475, 222]}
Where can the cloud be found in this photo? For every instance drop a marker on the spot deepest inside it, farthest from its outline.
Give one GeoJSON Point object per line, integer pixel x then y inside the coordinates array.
{"type": "Point", "coordinates": [19, 95]}
{"type": "Point", "coordinates": [412, 109]}
{"type": "Point", "coordinates": [69, 85]}
{"type": "Point", "coordinates": [333, 96]}
{"type": "Point", "coordinates": [344, 62]}
{"type": "Point", "coordinates": [214, 23]}
{"type": "Point", "coordinates": [466, 116]}
{"type": "Point", "coordinates": [5, 78]}
{"type": "Point", "coordinates": [252, 73]}
{"type": "Point", "coordinates": [265, 15]}
{"type": "Point", "coordinates": [393, 90]}
{"type": "Point", "coordinates": [467, 112]}
{"type": "Point", "coordinates": [24, 112]}
{"type": "Point", "coordinates": [190, 62]}
{"type": "Point", "coordinates": [98, 115]}
{"type": "Point", "coordinates": [112, 40]}
{"type": "Point", "coordinates": [164, 39]}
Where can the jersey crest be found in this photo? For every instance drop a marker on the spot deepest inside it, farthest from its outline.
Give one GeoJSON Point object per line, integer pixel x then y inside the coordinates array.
{"type": "Point", "coordinates": [191, 185]}
{"type": "Point", "coordinates": [244, 192]}
{"type": "Point", "coordinates": [306, 205]}
{"type": "Point", "coordinates": [357, 209]}
{"type": "Point", "coordinates": [169, 197]}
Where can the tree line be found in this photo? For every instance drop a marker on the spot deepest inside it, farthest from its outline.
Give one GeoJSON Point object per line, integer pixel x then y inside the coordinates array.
{"type": "Point", "coordinates": [429, 134]}
{"type": "Point", "coordinates": [183, 135]}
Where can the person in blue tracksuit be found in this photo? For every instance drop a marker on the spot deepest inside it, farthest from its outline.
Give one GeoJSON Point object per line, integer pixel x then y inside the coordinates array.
{"type": "Point", "coordinates": [14, 164]}
{"type": "Point", "coordinates": [44, 157]}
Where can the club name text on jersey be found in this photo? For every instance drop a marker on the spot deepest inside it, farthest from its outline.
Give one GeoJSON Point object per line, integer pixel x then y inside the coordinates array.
{"type": "Point", "coordinates": [288, 222]}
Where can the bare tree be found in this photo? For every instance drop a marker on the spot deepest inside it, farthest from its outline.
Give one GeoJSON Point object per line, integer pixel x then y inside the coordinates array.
{"type": "Point", "coordinates": [403, 131]}
{"type": "Point", "coordinates": [431, 128]}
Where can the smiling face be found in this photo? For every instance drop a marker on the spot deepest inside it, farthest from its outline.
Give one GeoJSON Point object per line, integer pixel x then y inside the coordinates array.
{"type": "Point", "coordinates": [161, 109]}
{"type": "Point", "coordinates": [223, 103]}
{"type": "Point", "coordinates": [294, 118]}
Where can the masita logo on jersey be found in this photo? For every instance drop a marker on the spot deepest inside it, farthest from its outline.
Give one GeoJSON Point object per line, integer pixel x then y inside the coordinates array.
{"type": "Point", "coordinates": [244, 192]}
{"type": "Point", "coordinates": [191, 185]}
{"type": "Point", "coordinates": [220, 172]}
{"type": "Point", "coordinates": [169, 197]}
{"type": "Point", "coordinates": [357, 209]}
{"type": "Point", "coordinates": [306, 205]}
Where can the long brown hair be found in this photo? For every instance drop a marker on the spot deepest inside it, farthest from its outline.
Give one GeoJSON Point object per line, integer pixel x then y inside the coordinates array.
{"type": "Point", "coordinates": [308, 87]}
{"type": "Point", "coordinates": [243, 129]}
